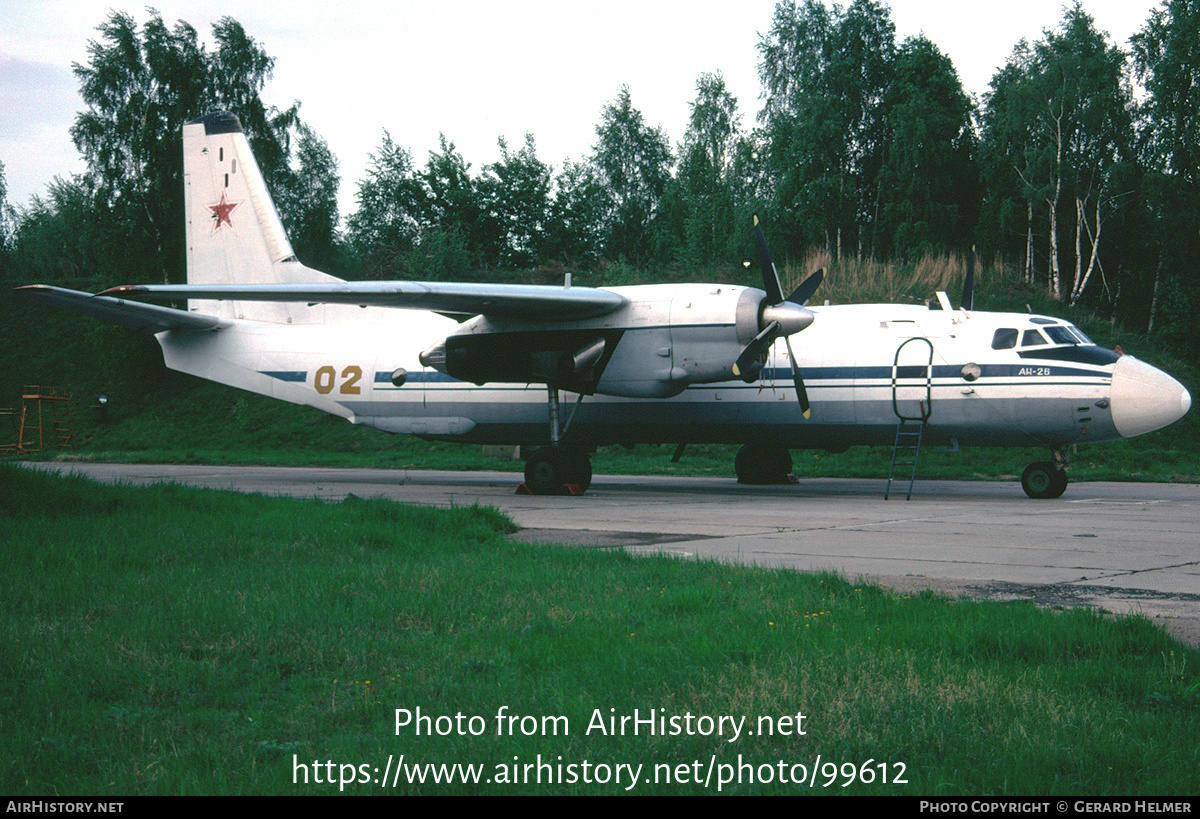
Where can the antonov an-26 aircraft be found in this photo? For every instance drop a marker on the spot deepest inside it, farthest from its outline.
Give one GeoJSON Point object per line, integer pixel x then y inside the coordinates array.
{"type": "Point", "coordinates": [686, 363]}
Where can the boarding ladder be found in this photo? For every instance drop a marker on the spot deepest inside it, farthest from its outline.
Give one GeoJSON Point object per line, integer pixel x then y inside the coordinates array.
{"type": "Point", "coordinates": [912, 402]}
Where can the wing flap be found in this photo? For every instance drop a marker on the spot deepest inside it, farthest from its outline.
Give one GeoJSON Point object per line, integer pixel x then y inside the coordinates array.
{"type": "Point", "coordinates": [530, 302]}
{"type": "Point", "coordinates": [147, 318]}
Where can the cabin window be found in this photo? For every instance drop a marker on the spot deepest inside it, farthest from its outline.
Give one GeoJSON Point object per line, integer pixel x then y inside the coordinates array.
{"type": "Point", "coordinates": [1032, 338]}
{"type": "Point", "coordinates": [1004, 339]}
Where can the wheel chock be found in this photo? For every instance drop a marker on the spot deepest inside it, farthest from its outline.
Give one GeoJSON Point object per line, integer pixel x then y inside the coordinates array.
{"type": "Point", "coordinates": [565, 489]}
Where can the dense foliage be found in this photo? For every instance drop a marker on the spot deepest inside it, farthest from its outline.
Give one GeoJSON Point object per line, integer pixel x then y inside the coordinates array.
{"type": "Point", "coordinates": [865, 147]}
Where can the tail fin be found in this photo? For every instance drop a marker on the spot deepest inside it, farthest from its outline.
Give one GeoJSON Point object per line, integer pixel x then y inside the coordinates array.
{"type": "Point", "coordinates": [234, 235]}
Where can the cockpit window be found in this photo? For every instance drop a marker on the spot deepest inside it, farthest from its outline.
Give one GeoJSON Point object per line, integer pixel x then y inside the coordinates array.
{"type": "Point", "coordinates": [1061, 335]}
{"type": "Point", "coordinates": [1004, 339]}
{"type": "Point", "coordinates": [1083, 339]}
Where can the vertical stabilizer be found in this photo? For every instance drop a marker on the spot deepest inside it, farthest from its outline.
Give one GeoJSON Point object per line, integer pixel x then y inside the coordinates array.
{"type": "Point", "coordinates": [234, 235]}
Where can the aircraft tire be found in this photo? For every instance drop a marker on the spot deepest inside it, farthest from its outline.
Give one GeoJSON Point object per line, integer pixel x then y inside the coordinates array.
{"type": "Point", "coordinates": [579, 468]}
{"type": "Point", "coordinates": [759, 464]}
{"type": "Point", "coordinates": [548, 469]}
{"type": "Point", "coordinates": [1044, 480]}
{"type": "Point", "coordinates": [544, 471]}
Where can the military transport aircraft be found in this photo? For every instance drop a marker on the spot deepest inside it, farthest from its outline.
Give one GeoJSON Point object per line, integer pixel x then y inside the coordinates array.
{"type": "Point", "coordinates": [678, 363]}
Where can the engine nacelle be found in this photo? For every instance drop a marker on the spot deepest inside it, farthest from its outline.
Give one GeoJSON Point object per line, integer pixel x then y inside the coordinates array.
{"type": "Point", "coordinates": [571, 359]}
{"type": "Point", "coordinates": [666, 338]}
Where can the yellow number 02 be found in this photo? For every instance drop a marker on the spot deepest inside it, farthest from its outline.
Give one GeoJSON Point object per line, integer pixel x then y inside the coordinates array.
{"type": "Point", "coordinates": [324, 380]}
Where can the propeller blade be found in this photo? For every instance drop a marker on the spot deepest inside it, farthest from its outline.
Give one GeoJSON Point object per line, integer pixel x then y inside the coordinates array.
{"type": "Point", "coordinates": [755, 349]}
{"type": "Point", "coordinates": [784, 316]}
{"type": "Point", "coordinates": [769, 275]}
{"type": "Point", "coordinates": [805, 291]}
{"type": "Point", "coordinates": [801, 393]}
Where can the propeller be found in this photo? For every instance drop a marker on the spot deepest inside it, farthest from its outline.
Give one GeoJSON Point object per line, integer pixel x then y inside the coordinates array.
{"type": "Point", "coordinates": [779, 317]}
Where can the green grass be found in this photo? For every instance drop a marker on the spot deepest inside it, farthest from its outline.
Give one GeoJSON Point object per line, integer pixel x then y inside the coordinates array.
{"type": "Point", "coordinates": [167, 640]}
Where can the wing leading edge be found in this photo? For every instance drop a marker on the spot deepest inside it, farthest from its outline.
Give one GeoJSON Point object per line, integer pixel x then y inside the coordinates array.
{"type": "Point", "coordinates": [147, 318]}
{"type": "Point", "coordinates": [530, 302]}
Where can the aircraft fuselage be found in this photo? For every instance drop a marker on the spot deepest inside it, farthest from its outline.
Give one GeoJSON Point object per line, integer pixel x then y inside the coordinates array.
{"type": "Point", "coordinates": [978, 378]}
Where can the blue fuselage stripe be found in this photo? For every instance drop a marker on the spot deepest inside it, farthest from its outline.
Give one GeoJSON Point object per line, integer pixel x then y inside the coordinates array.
{"type": "Point", "coordinates": [990, 373]}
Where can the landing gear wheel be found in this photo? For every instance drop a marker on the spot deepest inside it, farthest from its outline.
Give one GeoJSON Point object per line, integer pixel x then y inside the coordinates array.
{"type": "Point", "coordinates": [1044, 480]}
{"type": "Point", "coordinates": [544, 471]}
{"type": "Point", "coordinates": [550, 468]}
{"type": "Point", "coordinates": [579, 468]}
{"type": "Point", "coordinates": [759, 464]}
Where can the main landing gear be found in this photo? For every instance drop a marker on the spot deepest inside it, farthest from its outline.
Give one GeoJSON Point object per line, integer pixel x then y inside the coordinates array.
{"type": "Point", "coordinates": [763, 464]}
{"type": "Point", "coordinates": [1046, 480]}
{"type": "Point", "coordinates": [551, 469]}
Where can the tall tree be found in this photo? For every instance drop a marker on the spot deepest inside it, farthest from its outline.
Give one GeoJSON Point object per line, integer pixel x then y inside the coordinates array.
{"type": "Point", "coordinates": [1102, 140]}
{"type": "Point", "coordinates": [6, 218]}
{"type": "Point", "coordinates": [1006, 155]}
{"type": "Point", "coordinates": [634, 162]}
{"type": "Point", "coordinates": [516, 192]}
{"type": "Point", "coordinates": [307, 200]}
{"type": "Point", "coordinates": [385, 226]}
{"type": "Point", "coordinates": [825, 75]}
{"type": "Point", "coordinates": [1166, 56]}
{"type": "Point", "coordinates": [1059, 118]}
{"type": "Point", "coordinates": [140, 87]}
{"type": "Point", "coordinates": [420, 223]}
{"type": "Point", "coordinates": [928, 187]}
{"type": "Point", "coordinates": [575, 234]}
{"type": "Point", "coordinates": [706, 175]}
{"type": "Point", "coordinates": [57, 239]}
{"type": "Point", "coordinates": [456, 232]}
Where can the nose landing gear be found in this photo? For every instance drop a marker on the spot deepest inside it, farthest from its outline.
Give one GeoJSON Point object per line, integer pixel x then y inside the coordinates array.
{"type": "Point", "coordinates": [1046, 480]}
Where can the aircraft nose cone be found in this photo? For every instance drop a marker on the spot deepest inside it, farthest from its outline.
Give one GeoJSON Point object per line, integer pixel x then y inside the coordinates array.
{"type": "Point", "coordinates": [1145, 398]}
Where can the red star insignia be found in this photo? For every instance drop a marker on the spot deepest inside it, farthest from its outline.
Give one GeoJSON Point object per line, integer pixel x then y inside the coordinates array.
{"type": "Point", "coordinates": [221, 212]}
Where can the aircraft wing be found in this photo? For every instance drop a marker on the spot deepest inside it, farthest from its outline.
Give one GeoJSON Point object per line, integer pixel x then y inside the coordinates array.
{"type": "Point", "coordinates": [148, 318]}
{"type": "Point", "coordinates": [531, 302]}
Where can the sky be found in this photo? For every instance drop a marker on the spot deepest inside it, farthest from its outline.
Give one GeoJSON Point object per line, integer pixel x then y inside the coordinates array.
{"type": "Point", "coordinates": [472, 69]}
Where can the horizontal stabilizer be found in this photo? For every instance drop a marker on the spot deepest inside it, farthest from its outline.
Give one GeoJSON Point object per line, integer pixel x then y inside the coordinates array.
{"type": "Point", "coordinates": [531, 302]}
{"type": "Point", "coordinates": [148, 318]}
